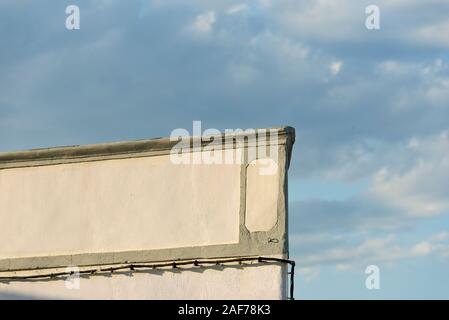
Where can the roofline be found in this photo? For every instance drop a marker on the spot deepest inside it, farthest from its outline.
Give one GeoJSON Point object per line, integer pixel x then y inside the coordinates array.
{"type": "Point", "coordinates": [139, 148]}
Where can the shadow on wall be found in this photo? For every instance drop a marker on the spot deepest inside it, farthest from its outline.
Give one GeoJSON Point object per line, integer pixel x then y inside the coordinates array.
{"type": "Point", "coordinates": [16, 296]}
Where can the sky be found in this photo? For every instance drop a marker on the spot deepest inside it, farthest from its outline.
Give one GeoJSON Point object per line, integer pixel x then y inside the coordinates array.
{"type": "Point", "coordinates": [369, 178]}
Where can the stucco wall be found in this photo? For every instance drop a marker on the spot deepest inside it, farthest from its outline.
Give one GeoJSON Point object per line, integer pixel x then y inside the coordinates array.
{"type": "Point", "coordinates": [249, 282]}
{"type": "Point", "coordinates": [120, 203]}
{"type": "Point", "coordinates": [117, 205]}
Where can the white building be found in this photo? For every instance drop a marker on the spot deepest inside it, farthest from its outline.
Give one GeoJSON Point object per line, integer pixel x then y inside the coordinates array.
{"type": "Point", "coordinates": [127, 220]}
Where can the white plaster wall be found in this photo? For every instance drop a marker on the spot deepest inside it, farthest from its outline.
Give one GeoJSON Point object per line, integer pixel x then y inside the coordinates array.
{"type": "Point", "coordinates": [117, 205]}
{"type": "Point", "coordinates": [137, 204]}
{"type": "Point", "coordinates": [250, 282]}
{"type": "Point", "coordinates": [262, 195]}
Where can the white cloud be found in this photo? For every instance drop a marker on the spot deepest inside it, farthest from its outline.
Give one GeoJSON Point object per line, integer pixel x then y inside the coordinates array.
{"type": "Point", "coordinates": [422, 249]}
{"type": "Point", "coordinates": [321, 19]}
{"type": "Point", "coordinates": [440, 236]}
{"type": "Point", "coordinates": [283, 48]}
{"type": "Point", "coordinates": [335, 67]}
{"type": "Point", "coordinates": [433, 34]}
{"type": "Point", "coordinates": [309, 273]}
{"type": "Point", "coordinates": [410, 176]}
{"type": "Point", "coordinates": [288, 58]}
{"type": "Point", "coordinates": [313, 239]}
{"type": "Point", "coordinates": [343, 267]}
{"type": "Point", "coordinates": [421, 189]}
{"type": "Point", "coordinates": [428, 70]}
{"type": "Point", "coordinates": [370, 249]}
{"type": "Point", "coordinates": [438, 93]}
{"type": "Point", "coordinates": [421, 23]}
{"type": "Point", "coordinates": [204, 22]}
{"type": "Point", "coordinates": [413, 185]}
{"type": "Point", "coordinates": [394, 68]}
{"type": "Point", "coordinates": [381, 250]}
{"type": "Point", "coordinates": [266, 3]}
{"type": "Point", "coordinates": [237, 8]}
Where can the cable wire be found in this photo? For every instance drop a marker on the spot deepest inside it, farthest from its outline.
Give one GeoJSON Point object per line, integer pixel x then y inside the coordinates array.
{"type": "Point", "coordinates": [153, 266]}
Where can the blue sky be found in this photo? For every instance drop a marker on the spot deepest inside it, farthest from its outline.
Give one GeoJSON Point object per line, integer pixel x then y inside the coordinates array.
{"type": "Point", "coordinates": [369, 180]}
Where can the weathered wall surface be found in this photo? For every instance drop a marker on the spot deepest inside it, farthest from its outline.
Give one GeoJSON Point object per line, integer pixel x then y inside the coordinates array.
{"type": "Point", "coordinates": [129, 203]}
{"type": "Point", "coordinates": [117, 205]}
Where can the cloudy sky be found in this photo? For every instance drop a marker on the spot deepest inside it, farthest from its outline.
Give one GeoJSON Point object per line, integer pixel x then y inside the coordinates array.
{"type": "Point", "coordinates": [369, 181]}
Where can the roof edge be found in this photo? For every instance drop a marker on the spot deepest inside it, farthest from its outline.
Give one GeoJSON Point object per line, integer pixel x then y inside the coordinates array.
{"type": "Point", "coordinates": [148, 147]}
